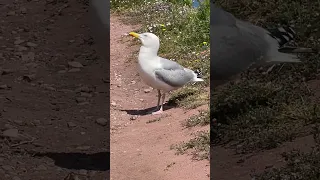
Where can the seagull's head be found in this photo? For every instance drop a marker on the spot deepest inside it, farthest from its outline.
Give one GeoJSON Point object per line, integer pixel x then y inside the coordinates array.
{"type": "Point", "coordinates": [148, 40]}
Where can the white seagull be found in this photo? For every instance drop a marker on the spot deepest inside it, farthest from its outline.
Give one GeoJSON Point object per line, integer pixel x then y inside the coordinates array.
{"type": "Point", "coordinates": [159, 73]}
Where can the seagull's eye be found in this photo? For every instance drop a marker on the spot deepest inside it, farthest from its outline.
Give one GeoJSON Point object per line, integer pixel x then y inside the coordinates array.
{"type": "Point", "coordinates": [145, 35]}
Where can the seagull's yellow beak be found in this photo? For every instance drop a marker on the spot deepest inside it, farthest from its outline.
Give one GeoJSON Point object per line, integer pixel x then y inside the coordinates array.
{"type": "Point", "coordinates": [134, 34]}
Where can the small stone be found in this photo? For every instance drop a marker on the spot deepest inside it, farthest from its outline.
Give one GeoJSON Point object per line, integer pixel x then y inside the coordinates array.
{"type": "Point", "coordinates": [62, 71]}
{"type": "Point", "coordinates": [83, 103]}
{"type": "Point", "coordinates": [75, 64]}
{"type": "Point", "coordinates": [12, 133]}
{"type": "Point", "coordinates": [11, 13]}
{"type": "Point", "coordinates": [71, 125]}
{"type": "Point", "coordinates": [4, 86]}
{"type": "Point", "coordinates": [102, 121]}
{"type": "Point", "coordinates": [23, 10]}
{"type": "Point", "coordinates": [147, 90]}
{"type": "Point", "coordinates": [28, 57]}
{"type": "Point", "coordinates": [29, 77]}
{"type": "Point", "coordinates": [74, 70]}
{"type": "Point", "coordinates": [21, 48]}
{"type": "Point", "coordinates": [113, 103]}
{"type": "Point", "coordinates": [132, 118]}
{"type": "Point", "coordinates": [7, 168]}
{"type": "Point", "coordinates": [83, 147]}
{"type": "Point", "coordinates": [5, 71]}
{"type": "Point", "coordinates": [8, 126]}
{"type": "Point", "coordinates": [19, 122]}
{"type": "Point", "coordinates": [31, 44]}
{"type": "Point", "coordinates": [83, 89]}
{"type": "Point", "coordinates": [18, 41]}
{"type": "Point", "coordinates": [81, 99]}
{"type": "Point", "coordinates": [84, 94]}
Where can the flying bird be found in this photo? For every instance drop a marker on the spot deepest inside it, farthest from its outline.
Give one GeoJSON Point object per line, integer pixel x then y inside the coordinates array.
{"type": "Point", "coordinates": [236, 45]}
{"type": "Point", "coordinates": [160, 73]}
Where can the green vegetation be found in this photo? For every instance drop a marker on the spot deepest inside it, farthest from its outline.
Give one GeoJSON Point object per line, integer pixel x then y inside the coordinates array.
{"type": "Point", "coordinates": [264, 109]}
{"type": "Point", "coordinates": [200, 146]}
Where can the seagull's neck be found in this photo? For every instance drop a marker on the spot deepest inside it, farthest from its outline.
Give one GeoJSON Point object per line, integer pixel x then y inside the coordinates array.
{"type": "Point", "coordinates": [148, 52]}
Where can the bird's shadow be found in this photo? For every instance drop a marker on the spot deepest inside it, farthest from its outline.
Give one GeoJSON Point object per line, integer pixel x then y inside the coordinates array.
{"type": "Point", "coordinates": [147, 111]}
{"type": "Point", "coordinates": [97, 161]}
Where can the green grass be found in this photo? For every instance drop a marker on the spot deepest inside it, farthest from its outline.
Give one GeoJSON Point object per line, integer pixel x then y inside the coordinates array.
{"type": "Point", "coordinates": [201, 119]}
{"type": "Point", "coordinates": [261, 111]}
{"type": "Point", "coordinates": [299, 165]}
{"type": "Point", "coordinates": [198, 146]}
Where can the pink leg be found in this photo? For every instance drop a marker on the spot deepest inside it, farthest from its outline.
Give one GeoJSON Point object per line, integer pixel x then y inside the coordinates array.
{"type": "Point", "coordinates": [158, 112]}
{"type": "Point", "coordinates": [161, 107]}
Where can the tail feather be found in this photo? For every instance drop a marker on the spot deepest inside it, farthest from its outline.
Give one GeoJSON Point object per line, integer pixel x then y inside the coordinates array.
{"type": "Point", "coordinates": [198, 76]}
{"type": "Point", "coordinates": [296, 50]}
{"type": "Point", "coordinates": [284, 58]}
{"type": "Point", "coordinates": [282, 34]}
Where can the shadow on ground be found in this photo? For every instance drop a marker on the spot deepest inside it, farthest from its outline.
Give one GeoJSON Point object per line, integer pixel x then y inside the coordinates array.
{"type": "Point", "coordinates": [147, 111]}
{"type": "Point", "coordinates": [76, 161]}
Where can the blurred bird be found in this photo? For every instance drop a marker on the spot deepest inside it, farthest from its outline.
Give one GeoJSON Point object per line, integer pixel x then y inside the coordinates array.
{"type": "Point", "coordinates": [236, 45]}
{"type": "Point", "coordinates": [159, 73]}
{"type": "Point", "coordinates": [100, 26]}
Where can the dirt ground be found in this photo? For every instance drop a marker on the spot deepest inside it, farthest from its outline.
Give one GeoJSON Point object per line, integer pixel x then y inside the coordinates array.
{"type": "Point", "coordinates": [140, 142]}
{"type": "Point", "coordinates": [53, 94]}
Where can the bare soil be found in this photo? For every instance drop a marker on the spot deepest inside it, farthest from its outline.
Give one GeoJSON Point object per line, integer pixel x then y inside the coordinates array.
{"type": "Point", "coordinates": [140, 142]}
{"type": "Point", "coordinates": [49, 110]}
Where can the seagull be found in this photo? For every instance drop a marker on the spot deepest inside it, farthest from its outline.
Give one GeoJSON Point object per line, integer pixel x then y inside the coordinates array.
{"type": "Point", "coordinates": [237, 45]}
{"type": "Point", "coordinates": [100, 26]}
{"type": "Point", "coordinates": [160, 73]}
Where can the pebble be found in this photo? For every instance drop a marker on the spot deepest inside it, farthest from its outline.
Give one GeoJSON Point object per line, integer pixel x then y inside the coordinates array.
{"type": "Point", "coordinates": [12, 133]}
{"type": "Point", "coordinates": [133, 117]}
{"type": "Point", "coordinates": [4, 86]}
{"type": "Point", "coordinates": [102, 121]}
{"type": "Point", "coordinates": [29, 77]}
{"type": "Point", "coordinates": [81, 99]}
{"type": "Point", "coordinates": [75, 64]}
{"type": "Point", "coordinates": [5, 71]}
{"type": "Point", "coordinates": [71, 125]}
{"type": "Point", "coordinates": [147, 90]}
{"type": "Point", "coordinates": [62, 71]}
{"type": "Point", "coordinates": [74, 70]}
{"type": "Point", "coordinates": [31, 44]}
{"type": "Point", "coordinates": [19, 122]}
{"type": "Point", "coordinates": [23, 10]}
{"type": "Point", "coordinates": [11, 13]}
{"type": "Point", "coordinates": [21, 48]}
{"type": "Point", "coordinates": [113, 103]}
{"type": "Point", "coordinates": [18, 41]}
{"type": "Point", "coordinates": [7, 168]}
{"type": "Point", "coordinates": [84, 94]}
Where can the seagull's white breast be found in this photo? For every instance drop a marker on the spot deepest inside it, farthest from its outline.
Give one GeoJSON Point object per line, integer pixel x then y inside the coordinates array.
{"type": "Point", "coordinates": [147, 67]}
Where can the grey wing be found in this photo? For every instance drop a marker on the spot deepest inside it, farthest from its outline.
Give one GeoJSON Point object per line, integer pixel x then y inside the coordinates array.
{"type": "Point", "coordinates": [174, 78]}
{"type": "Point", "coordinates": [233, 51]}
{"type": "Point", "coordinates": [169, 65]}
{"type": "Point", "coordinates": [236, 45]}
